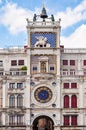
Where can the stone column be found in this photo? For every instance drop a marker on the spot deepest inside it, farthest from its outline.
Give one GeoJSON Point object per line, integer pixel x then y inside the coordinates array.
{"type": "Point", "coordinates": [27, 101]}
{"type": "Point", "coordinates": [80, 102]}
{"type": "Point", "coordinates": [58, 92]}
{"type": "Point", "coordinates": [81, 118]}
{"type": "Point", "coordinates": [69, 101]}
{"type": "Point", "coordinates": [57, 128]}
{"type": "Point", "coordinates": [29, 127]}
{"type": "Point", "coordinates": [3, 100]}
{"type": "Point", "coordinates": [80, 99]}
{"type": "Point", "coordinates": [27, 92]}
{"type": "Point", "coordinates": [58, 62]}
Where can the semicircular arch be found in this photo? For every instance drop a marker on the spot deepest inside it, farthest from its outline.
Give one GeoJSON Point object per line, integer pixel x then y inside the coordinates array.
{"type": "Point", "coordinates": [43, 122]}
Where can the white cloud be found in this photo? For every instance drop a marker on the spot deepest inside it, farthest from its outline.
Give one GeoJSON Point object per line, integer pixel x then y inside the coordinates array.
{"type": "Point", "coordinates": [13, 17]}
{"type": "Point", "coordinates": [77, 39]}
{"type": "Point", "coordinates": [72, 16]}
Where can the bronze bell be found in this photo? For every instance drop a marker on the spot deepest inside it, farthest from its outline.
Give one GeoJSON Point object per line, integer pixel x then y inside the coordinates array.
{"type": "Point", "coordinates": [43, 14]}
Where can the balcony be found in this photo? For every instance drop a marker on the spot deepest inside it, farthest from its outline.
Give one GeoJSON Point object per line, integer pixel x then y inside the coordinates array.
{"type": "Point", "coordinates": [13, 73]}
{"type": "Point", "coordinates": [43, 76]}
{"type": "Point", "coordinates": [73, 50]}
{"type": "Point", "coordinates": [73, 73]}
{"type": "Point", "coordinates": [12, 124]}
{"type": "Point", "coordinates": [18, 73]}
{"type": "Point", "coordinates": [12, 50]}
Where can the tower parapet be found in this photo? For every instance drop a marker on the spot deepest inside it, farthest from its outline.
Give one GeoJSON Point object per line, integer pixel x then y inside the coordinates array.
{"type": "Point", "coordinates": [46, 21]}
{"type": "Point", "coordinates": [43, 23]}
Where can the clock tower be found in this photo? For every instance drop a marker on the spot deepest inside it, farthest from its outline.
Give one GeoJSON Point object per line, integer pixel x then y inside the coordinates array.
{"type": "Point", "coordinates": [43, 80]}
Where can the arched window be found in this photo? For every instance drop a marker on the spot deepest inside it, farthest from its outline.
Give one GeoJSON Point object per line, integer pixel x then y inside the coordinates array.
{"type": "Point", "coordinates": [43, 67]}
{"type": "Point", "coordinates": [12, 101]}
{"type": "Point", "coordinates": [66, 101]}
{"type": "Point", "coordinates": [74, 101]}
{"type": "Point", "coordinates": [19, 101]}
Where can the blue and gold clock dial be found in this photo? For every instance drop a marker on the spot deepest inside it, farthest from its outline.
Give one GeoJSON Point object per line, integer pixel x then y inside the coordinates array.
{"type": "Point", "coordinates": [43, 94]}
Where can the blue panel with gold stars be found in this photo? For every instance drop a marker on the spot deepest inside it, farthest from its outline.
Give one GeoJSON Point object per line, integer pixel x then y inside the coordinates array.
{"type": "Point", "coordinates": [47, 37]}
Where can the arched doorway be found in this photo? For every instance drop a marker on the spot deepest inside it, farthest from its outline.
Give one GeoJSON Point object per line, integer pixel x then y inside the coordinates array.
{"type": "Point", "coordinates": [43, 123]}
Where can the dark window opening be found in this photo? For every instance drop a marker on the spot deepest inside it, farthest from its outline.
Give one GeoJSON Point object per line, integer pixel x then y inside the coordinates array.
{"type": "Point", "coordinates": [34, 68]}
{"type": "Point", "coordinates": [11, 85]}
{"type": "Point", "coordinates": [66, 120]}
{"type": "Point", "coordinates": [51, 68]}
{"type": "Point", "coordinates": [13, 62]}
{"type": "Point", "coordinates": [74, 120]}
{"type": "Point", "coordinates": [65, 62]}
{"type": "Point", "coordinates": [19, 85]}
{"type": "Point", "coordinates": [73, 85]}
{"type": "Point", "coordinates": [72, 62]}
{"type": "Point", "coordinates": [66, 101]}
{"type": "Point", "coordinates": [41, 46]}
{"type": "Point", "coordinates": [84, 62]}
{"type": "Point", "coordinates": [74, 101]}
{"type": "Point", "coordinates": [20, 62]}
{"type": "Point", "coordinates": [66, 85]}
{"type": "Point", "coordinates": [12, 101]}
{"type": "Point", "coordinates": [19, 101]}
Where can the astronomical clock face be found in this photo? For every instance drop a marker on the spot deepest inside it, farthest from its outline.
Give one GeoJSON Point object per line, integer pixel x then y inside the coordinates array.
{"type": "Point", "coordinates": [43, 94]}
{"type": "Point", "coordinates": [46, 38]}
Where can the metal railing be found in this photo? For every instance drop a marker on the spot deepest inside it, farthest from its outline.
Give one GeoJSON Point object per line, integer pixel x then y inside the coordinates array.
{"type": "Point", "coordinates": [73, 50]}
{"type": "Point", "coordinates": [18, 73]}
{"type": "Point", "coordinates": [13, 73]}
{"type": "Point", "coordinates": [74, 73]}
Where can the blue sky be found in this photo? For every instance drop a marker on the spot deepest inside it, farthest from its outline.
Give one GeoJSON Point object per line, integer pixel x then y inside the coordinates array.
{"type": "Point", "coordinates": [13, 14]}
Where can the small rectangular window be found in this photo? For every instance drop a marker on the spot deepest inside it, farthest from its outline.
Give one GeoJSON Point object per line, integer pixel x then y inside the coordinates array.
{"type": "Point", "coordinates": [65, 72]}
{"type": "Point", "coordinates": [84, 72]}
{"type": "Point", "coordinates": [1, 63]}
{"type": "Point", "coordinates": [19, 85]}
{"type": "Point", "coordinates": [52, 68]}
{"type": "Point", "coordinates": [72, 62]}
{"type": "Point", "coordinates": [13, 62]}
{"type": "Point", "coordinates": [1, 73]}
{"type": "Point", "coordinates": [11, 85]}
{"type": "Point", "coordinates": [74, 120]}
{"type": "Point", "coordinates": [72, 71]}
{"type": "Point", "coordinates": [20, 62]}
{"type": "Point", "coordinates": [11, 119]}
{"type": "Point", "coordinates": [65, 62]}
{"type": "Point", "coordinates": [66, 120]}
{"type": "Point", "coordinates": [73, 85]}
{"type": "Point", "coordinates": [84, 62]}
{"type": "Point", "coordinates": [66, 85]}
{"type": "Point", "coordinates": [34, 68]}
{"type": "Point", "coordinates": [19, 119]}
